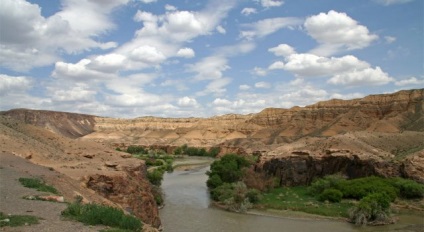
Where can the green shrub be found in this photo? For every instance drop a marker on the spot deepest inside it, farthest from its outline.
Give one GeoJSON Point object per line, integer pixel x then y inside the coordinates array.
{"type": "Point", "coordinates": [253, 195]}
{"type": "Point", "coordinates": [156, 176]}
{"type": "Point", "coordinates": [332, 195]}
{"type": "Point", "coordinates": [17, 220]}
{"type": "Point", "coordinates": [373, 208]}
{"type": "Point", "coordinates": [327, 182]}
{"type": "Point", "coordinates": [93, 214]}
{"type": "Point", "coordinates": [133, 149]}
{"type": "Point", "coordinates": [408, 189]}
{"type": "Point", "coordinates": [214, 181]}
{"type": "Point", "coordinates": [361, 187]}
{"type": "Point", "coordinates": [37, 184]}
{"type": "Point", "coordinates": [229, 168]}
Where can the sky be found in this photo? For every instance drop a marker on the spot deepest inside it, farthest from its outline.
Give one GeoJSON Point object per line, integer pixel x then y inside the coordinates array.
{"type": "Point", "coordinates": [186, 58]}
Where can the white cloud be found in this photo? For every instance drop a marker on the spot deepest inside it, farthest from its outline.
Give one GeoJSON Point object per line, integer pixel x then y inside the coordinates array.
{"type": "Point", "coordinates": [147, 54]}
{"type": "Point", "coordinates": [221, 30]}
{"type": "Point", "coordinates": [30, 40]}
{"type": "Point", "coordinates": [390, 39]}
{"type": "Point", "coordinates": [79, 71]}
{"type": "Point", "coordinates": [368, 76]}
{"type": "Point", "coordinates": [186, 53]}
{"type": "Point", "coordinates": [271, 3]}
{"type": "Point", "coordinates": [209, 68]}
{"type": "Point", "coordinates": [276, 65]}
{"type": "Point", "coordinates": [11, 84]}
{"type": "Point", "coordinates": [392, 2]}
{"type": "Point", "coordinates": [259, 71]}
{"type": "Point", "coordinates": [80, 92]}
{"type": "Point", "coordinates": [244, 87]}
{"type": "Point", "coordinates": [170, 7]}
{"type": "Point", "coordinates": [336, 32]}
{"type": "Point", "coordinates": [187, 102]}
{"type": "Point", "coordinates": [221, 102]}
{"type": "Point", "coordinates": [143, 16]}
{"type": "Point", "coordinates": [282, 50]}
{"type": "Point", "coordinates": [412, 81]}
{"type": "Point", "coordinates": [215, 87]}
{"type": "Point", "coordinates": [266, 27]}
{"type": "Point", "coordinates": [262, 85]}
{"type": "Point", "coordinates": [108, 63]}
{"type": "Point", "coordinates": [310, 65]}
{"type": "Point", "coordinates": [248, 11]}
{"type": "Point", "coordinates": [147, 1]}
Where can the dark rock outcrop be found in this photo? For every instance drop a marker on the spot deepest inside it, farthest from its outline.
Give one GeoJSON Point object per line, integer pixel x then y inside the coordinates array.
{"type": "Point", "coordinates": [302, 169]}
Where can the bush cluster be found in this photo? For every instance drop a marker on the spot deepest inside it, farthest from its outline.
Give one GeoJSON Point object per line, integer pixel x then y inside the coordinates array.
{"type": "Point", "coordinates": [374, 193]}
{"type": "Point", "coordinates": [194, 151]}
{"type": "Point", "coordinates": [93, 214]}
{"type": "Point", "coordinates": [226, 185]}
{"type": "Point", "coordinates": [134, 149]}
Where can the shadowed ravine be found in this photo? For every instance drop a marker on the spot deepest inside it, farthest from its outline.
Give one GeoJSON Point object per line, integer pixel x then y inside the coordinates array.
{"type": "Point", "coordinates": [187, 209]}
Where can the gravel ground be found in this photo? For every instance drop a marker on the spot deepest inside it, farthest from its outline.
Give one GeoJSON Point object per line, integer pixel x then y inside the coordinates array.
{"type": "Point", "coordinates": [12, 202]}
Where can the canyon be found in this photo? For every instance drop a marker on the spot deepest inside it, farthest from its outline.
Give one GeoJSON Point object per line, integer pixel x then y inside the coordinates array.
{"type": "Point", "coordinates": [376, 135]}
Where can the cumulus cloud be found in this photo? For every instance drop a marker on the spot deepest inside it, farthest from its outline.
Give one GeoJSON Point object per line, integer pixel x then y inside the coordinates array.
{"type": "Point", "coordinates": [262, 85]}
{"type": "Point", "coordinates": [79, 71]}
{"type": "Point", "coordinates": [283, 50]}
{"type": "Point", "coordinates": [215, 87]}
{"type": "Point", "coordinates": [390, 39]}
{"type": "Point", "coordinates": [392, 2]}
{"type": "Point", "coordinates": [412, 81]}
{"type": "Point", "coordinates": [266, 27]}
{"type": "Point", "coordinates": [276, 65]}
{"type": "Point", "coordinates": [80, 92]}
{"type": "Point", "coordinates": [221, 30]}
{"type": "Point", "coordinates": [186, 53]}
{"type": "Point", "coordinates": [310, 65]}
{"type": "Point", "coordinates": [244, 87]}
{"type": "Point", "coordinates": [248, 11]}
{"type": "Point", "coordinates": [30, 40]}
{"type": "Point", "coordinates": [336, 32]}
{"type": "Point", "coordinates": [187, 102]}
{"type": "Point", "coordinates": [147, 54]}
{"type": "Point", "coordinates": [209, 68]}
{"type": "Point", "coordinates": [168, 32]}
{"type": "Point", "coordinates": [259, 71]}
{"type": "Point", "coordinates": [10, 84]}
{"type": "Point", "coordinates": [170, 7]}
{"type": "Point", "coordinates": [271, 3]}
{"type": "Point", "coordinates": [368, 76]}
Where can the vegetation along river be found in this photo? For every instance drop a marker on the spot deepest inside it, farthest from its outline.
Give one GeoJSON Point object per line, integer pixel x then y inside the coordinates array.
{"type": "Point", "coordinates": [187, 208]}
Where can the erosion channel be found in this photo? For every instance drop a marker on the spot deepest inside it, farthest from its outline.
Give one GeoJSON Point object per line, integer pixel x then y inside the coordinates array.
{"type": "Point", "coordinates": [187, 208]}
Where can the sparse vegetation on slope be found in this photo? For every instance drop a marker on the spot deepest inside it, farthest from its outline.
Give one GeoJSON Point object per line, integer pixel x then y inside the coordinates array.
{"type": "Point", "coordinates": [37, 184]}
{"type": "Point", "coordinates": [94, 214]}
{"type": "Point", "coordinates": [17, 220]}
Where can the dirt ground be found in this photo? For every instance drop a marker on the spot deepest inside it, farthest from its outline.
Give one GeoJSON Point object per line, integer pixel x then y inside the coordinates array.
{"type": "Point", "coordinates": [12, 202]}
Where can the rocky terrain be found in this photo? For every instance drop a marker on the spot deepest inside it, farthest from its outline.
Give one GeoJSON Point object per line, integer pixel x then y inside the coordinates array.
{"type": "Point", "coordinates": [375, 135]}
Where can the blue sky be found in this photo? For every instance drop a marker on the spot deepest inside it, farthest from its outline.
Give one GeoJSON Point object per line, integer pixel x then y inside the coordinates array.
{"type": "Point", "coordinates": [131, 58]}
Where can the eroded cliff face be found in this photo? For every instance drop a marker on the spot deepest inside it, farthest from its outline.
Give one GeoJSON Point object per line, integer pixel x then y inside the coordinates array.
{"type": "Point", "coordinates": [132, 191]}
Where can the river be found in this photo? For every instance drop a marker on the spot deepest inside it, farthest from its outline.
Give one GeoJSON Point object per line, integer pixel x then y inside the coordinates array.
{"type": "Point", "coordinates": [187, 209]}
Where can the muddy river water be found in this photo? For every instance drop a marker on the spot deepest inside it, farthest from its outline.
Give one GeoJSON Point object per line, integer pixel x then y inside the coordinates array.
{"type": "Point", "coordinates": [187, 209]}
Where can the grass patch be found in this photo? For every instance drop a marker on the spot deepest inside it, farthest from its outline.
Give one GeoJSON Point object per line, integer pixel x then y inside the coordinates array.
{"type": "Point", "coordinates": [17, 220]}
{"type": "Point", "coordinates": [38, 184]}
{"type": "Point", "coordinates": [94, 214]}
{"type": "Point", "coordinates": [298, 199]}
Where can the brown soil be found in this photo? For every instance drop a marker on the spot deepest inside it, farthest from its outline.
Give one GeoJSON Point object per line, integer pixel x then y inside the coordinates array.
{"type": "Point", "coordinates": [12, 192]}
